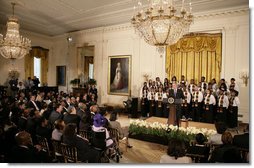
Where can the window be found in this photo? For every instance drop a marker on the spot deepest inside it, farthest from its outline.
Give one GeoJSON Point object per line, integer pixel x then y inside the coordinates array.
{"type": "Point", "coordinates": [37, 67]}
{"type": "Point", "coordinates": [90, 71]}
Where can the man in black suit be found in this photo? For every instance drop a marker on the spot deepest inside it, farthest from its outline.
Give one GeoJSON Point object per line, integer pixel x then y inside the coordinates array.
{"type": "Point", "coordinates": [242, 140]}
{"type": "Point", "coordinates": [32, 103]}
{"type": "Point", "coordinates": [24, 152]}
{"type": "Point", "coordinates": [177, 94]}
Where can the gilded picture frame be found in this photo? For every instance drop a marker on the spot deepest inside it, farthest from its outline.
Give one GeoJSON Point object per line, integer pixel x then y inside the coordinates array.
{"type": "Point", "coordinates": [119, 75]}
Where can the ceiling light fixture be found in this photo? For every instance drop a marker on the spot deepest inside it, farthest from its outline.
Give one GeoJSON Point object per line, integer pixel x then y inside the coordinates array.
{"type": "Point", "coordinates": [158, 22]}
{"type": "Point", "coordinates": [13, 45]}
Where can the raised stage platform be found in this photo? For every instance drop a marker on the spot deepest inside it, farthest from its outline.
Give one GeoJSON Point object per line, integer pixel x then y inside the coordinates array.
{"type": "Point", "coordinates": [190, 123]}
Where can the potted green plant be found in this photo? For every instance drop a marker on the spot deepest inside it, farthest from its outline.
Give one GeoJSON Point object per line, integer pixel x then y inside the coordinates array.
{"type": "Point", "coordinates": [91, 82]}
{"type": "Point", "coordinates": [75, 82]}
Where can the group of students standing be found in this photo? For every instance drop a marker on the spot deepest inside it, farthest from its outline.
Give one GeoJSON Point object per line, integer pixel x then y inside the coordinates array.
{"type": "Point", "coordinates": [201, 101]}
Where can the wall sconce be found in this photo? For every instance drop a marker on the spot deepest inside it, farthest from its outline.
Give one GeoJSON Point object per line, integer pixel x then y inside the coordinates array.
{"type": "Point", "coordinates": [244, 76]}
{"type": "Point", "coordinates": [146, 76]}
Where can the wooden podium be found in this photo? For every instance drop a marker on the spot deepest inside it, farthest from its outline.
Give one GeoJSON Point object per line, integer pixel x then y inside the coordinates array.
{"type": "Point", "coordinates": [172, 112]}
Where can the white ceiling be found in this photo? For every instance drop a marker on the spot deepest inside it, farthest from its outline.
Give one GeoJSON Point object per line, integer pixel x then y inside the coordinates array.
{"type": "Point", "coordinates": [55, 17]}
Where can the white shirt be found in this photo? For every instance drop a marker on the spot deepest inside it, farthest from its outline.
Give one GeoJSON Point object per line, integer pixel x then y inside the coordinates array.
{"type": "Point", "coordinates": [203, 85]}
{"type": "Point", "coordinates": [143, 95]}
{"type": "Point", "coordinates": [211, 99]}
{"type": "Point", "coordinates": [188, 96]}
{"type": "Point", "coordinates": [56, 135]}
{"type": "Point", "coordinates": [214, 87]}
{"type": "Point", "coordinates": [36, 107]}
{"type": "Point", "coordinates": [191, 88]}
{"type": "Point", "coordinates": [225, 101]}
{"type": "Point", "coordinates": [157, 95]}
{"type": "Point", "coordinates": [151, 95]}
{"type": "Point", "coordinates": [236, 101]}
{"type": "Point", "coordinates": [236, 87]}
{"type": "Point", "coordinates": [164, 96]}
{"type": "Point", "coordinates": [200, 96]}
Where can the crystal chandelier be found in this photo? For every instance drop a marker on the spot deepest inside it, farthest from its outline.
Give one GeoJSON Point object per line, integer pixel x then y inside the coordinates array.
{"type": "Point", "coordinates": [13, 46]}
{"type": "Point", "coordinates": [159, 24]}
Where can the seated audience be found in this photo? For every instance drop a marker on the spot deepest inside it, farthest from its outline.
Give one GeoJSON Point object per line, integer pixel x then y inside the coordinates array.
{"type": "Point", "coordinates": [199, 148]}
{"type": "Point", "coordinates": [84, 151]}
{"type": "Point", "coordinates": [216, 138]}
{"type": "Point", "coordinates": [175, 153]}
{"type": "Point", "coordinates": [25, 152]}
{"type": "Point", "coordinates": [58, 131]}
{"type": "Point", "coordinates": [85, 117]}
{"type": "Point", "coordinates": [99, 125]}
{"type": "Point", "coordinates": [242, 140]}
{"type": "Point", "coordinates": [226, 152]}
{"type": "Point", "coordinates": [72, 117]}
{"type": "Point", "coordinates": [123, 133]}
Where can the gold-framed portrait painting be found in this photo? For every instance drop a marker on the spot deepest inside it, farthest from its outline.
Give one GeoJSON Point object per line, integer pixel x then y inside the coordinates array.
{"type": "Point", "coordinates": [119, 75]}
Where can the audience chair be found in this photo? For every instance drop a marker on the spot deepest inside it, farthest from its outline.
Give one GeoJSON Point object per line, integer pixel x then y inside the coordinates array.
{"type": "Point", "coordinates": [44, 144]}
{"type": "Point", "coordinates": [69, 153]}
{"type": "Point", "coordinates": [114, 134]}
{"type": "Point", "coordinates": [244, 154]}
{"type": "Point", "coordinates": [98, 141]}
{"type": "Point", "coordinates": [85, 134]}
{"type": "Point", "coordinates": [195, 157]}
{"type": "Point", "coordinates": [57, 150]}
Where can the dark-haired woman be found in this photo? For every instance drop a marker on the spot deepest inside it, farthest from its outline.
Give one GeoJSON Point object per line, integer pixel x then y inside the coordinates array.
{"type": "Point", "coordinates": [85, 152]}
{"type": "Point", "coordinates": [175, 153]}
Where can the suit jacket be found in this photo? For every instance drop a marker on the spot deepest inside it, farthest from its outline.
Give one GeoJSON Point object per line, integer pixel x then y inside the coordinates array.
{"type": "Point", "coordinates": [54, 116]}
{"type": "Point", "coordinates": [200, 150]}
{"type": "Point", "coordinates": [24, 155]}
{"type": "Point", "coordinates": [224, 153]}
{"type": "Point", "coordinates": [84, 151]}
{"type": "Point", "coordinates": [179, 94]}
{"type": "Point", "coordinates": [31, 105]}
{"type": "Point", "coordinates": [241, 141]}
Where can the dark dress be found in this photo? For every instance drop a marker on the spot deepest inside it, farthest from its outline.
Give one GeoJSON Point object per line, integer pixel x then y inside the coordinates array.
{"type": "Point", "coordinates": [226, 153]}
{"type": "Point", "coordinates": [199, 150]}
{"type": "Point", "coordinates": [85, 152]}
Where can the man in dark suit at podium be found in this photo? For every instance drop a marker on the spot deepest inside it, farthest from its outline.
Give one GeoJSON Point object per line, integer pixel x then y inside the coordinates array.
{"type": "Point", "coordinates": [177, 94]}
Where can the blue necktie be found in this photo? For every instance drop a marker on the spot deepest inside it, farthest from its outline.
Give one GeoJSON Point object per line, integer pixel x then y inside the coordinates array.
{"type": "Point", "coordinates": [175, 92]}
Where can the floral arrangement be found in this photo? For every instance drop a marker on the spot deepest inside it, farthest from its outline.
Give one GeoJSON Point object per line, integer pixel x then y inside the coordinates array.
{"type": "Point", "coordinates": [167, 131]}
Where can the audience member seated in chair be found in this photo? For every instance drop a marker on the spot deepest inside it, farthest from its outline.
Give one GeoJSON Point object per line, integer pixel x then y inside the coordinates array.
{"type": "Point", "coordinates": [123, 133]}
{"type": "Point", "coordinates": [199, 148]}
{"type": "Point", "coordinates": [216, 138]}
{"type": "Point", "coordinates": [84, 151]}
{"type": "Point", "coordinates": [58, 131]}
{"type": "Point", "coordinates": [175, 153]}
{"type": "Point", "coordinates": [226, 153]}
{"type": "Point", "coordinates": [25, 152]}
{"type": "Point", "coordinates": [72, 117]}
{"type": "Point", "coordinates": [242, 140]}
{"type": "Point", "coordinates": [85, 117]}
{"type": "Point", "coordinates": [99, 126]}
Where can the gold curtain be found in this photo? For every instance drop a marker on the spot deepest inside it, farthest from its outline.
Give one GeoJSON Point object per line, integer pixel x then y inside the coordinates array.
{"type": "Point", "coordinates": [37, 52]}
{"type": "Point", "coordinates": [195, 55]}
